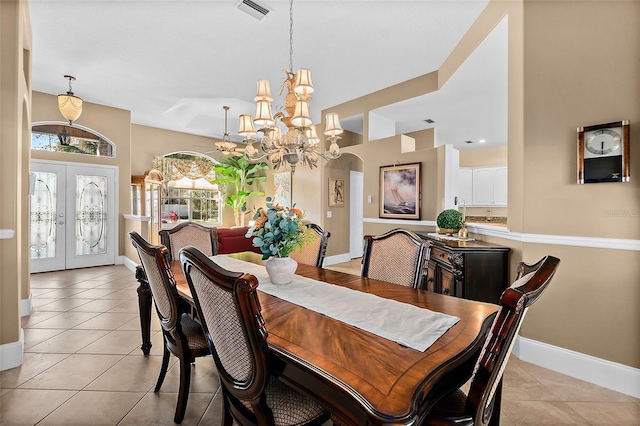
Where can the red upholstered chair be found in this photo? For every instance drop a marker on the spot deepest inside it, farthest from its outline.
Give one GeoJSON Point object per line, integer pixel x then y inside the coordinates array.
{"type": "Point", "coordinates": [190, 234]}
{"type": "Point", "coordinates": [313, 251]}
{"type": "Point", "coordinates": [234, 240]}
{"type": "Point", "coordinates": [397, 256]}
{"type": "Point", "coordinates": [183, 337]}
{"type": "Point", "coordinates": [477, 408]}
{"type": "Point", "coordinates": [228, 305]}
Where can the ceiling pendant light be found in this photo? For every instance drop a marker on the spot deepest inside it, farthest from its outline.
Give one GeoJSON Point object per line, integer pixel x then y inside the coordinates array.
{"type": "Point", "coordinates": [300, 142]}
{"type": "Point", "coordinates": [225, 145]}
{"type": "Point", "coordinates": [70, 105]}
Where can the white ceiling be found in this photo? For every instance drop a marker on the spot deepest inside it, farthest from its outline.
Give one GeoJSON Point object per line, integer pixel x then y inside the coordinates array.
{"type": "Point", "coordinates": [174, 64]}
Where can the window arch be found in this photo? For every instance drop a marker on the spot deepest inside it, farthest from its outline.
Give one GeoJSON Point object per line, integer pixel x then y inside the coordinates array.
{"type": "Point", "coordinates": [59, 136]}
{"type": "Point", "coordinates": [188, 194]}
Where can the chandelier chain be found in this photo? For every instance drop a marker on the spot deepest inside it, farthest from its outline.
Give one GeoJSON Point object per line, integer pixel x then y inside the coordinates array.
{"type": "Point", "coordinates": [291, 36]}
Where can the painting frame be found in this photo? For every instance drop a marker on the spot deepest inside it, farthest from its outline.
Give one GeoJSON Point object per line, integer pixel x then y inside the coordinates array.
{"type": "Point", "coordinates": [400, 191]}
{"type": "Point", "coordinates": [336, 192]}
{"type": "Point", "coordinates": [282, 188]}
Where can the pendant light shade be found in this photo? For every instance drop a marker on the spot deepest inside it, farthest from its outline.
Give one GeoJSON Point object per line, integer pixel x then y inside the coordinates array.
{"type": "Point", "coordinates": [263, 92]}
{"type": "Point", "coordinates": [264, 117]}
{"type": "Point", "coordinates": [303, 85]}
{"type": "Point", "coordinates": [301, 116]}
{"type": "Point", "coordinates": [246, 126]}
{"type": "Point", "coordinates": [70, 105]}
{"type": "Point", "coordinates": [332, 125]}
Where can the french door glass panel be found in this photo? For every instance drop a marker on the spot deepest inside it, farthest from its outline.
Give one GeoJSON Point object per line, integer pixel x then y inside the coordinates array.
{"type": "Point", "coordinates": [91, 215]}
{"type": "Point", "coordinates": [43, 216]}
{"type": "Point", "coordinates": [73, 223]}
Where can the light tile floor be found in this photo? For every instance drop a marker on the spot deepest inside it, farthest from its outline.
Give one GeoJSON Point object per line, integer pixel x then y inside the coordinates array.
{"type": "Point", "coordinates": [83, 365]}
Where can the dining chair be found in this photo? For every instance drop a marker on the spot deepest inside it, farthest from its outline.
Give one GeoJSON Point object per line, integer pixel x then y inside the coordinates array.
{"type": "Point", "coordinates": [313, 250]}
{"type": "Point", "coordinates": [398, 256]}
{"type": "Point", "coordinates": [230, 311]}
{"type": "Point", "coordinates": [190, 234]}
{"type": "Point", "coordinates": [477, 407]}
{"type": "Point", "coordinates": [183, 337]}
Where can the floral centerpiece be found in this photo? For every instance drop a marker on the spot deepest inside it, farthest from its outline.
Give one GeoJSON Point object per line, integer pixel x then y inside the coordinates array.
{"type": "Point", "coordinates": [278, 231]}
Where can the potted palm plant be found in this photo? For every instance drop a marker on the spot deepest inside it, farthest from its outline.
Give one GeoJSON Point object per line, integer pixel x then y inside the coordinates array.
{"type": "Point", "coordinates": [242, 174]}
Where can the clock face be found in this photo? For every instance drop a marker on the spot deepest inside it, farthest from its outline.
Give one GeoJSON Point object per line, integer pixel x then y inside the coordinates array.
{"type": "Point", "coordinates": [603, 142]}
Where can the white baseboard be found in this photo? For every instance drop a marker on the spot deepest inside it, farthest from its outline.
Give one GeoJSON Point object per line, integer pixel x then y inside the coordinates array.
{"type": "Point", "coordinates": [611, 375]}
{"type": "Point", "coordinates": [128, 263]}
{"type": "Point", "coordinates": [338, 258]}
{"type": "Point", "coordinates": [11, 353]}
{"type": "Point", "coordinates": [26, 305]}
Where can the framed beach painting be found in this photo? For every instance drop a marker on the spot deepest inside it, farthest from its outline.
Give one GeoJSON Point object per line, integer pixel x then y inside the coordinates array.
{"type": "Point", "coordinates": [400, 191]}
{"type": "Point", "coordinates": [282, 185]}
{"type": "Point", "coordinates": [336, 192]}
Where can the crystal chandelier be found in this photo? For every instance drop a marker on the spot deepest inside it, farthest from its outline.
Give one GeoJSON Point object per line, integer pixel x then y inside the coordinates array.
{"type": "Point", "coordinates": [300, 143]}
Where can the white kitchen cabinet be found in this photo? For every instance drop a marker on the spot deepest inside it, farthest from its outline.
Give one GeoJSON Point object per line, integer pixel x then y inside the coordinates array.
{"type": "Point", "coordinates": [483, 186]}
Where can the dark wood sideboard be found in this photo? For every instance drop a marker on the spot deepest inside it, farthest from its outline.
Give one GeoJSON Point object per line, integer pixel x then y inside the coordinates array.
{"type": "Point", "coordinates": [469, 269]}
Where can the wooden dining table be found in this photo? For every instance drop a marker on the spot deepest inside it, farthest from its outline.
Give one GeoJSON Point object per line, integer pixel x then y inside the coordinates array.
{"type": "Point", "coordinates": [364, 379]}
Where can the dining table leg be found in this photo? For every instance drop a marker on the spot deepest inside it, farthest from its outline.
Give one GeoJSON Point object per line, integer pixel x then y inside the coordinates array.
{"type": "Point", "coordinates": [144, 306]}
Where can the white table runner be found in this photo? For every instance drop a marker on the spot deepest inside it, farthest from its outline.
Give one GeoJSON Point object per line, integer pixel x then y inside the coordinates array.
{"type": "Point", "coordinates": [403, 323]}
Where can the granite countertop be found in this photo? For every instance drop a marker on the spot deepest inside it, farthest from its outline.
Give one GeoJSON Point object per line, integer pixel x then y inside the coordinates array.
{"type": "Point", "coordinates": [495, 220]}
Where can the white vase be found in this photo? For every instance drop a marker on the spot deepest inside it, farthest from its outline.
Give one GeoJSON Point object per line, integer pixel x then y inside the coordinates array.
{"type": "Point", "coordinates": [281, 269]}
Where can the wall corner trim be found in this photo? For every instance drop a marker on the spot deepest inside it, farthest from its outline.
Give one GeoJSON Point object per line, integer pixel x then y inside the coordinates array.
{"type": "Point", "coordinates": [26, 305]}
{"type": "Point", "coordinates": [338, 258]}
{"type": "Point", "coordinates": [618, 377]}
{"type": "Point", "coordinates": [128, 263]}
{"type": "Point", "coordinates": [11, 354]}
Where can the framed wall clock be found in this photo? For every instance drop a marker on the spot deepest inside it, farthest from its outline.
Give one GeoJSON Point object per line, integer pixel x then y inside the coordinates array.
{"type": "Point", "coordinates": [603, 153]}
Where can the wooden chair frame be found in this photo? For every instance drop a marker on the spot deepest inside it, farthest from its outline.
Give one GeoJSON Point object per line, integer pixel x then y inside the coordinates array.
{"type": "Point", "coordinates": [166, 234]}
{"type": "Point", "coordinates": [175, 340]}
{"type": "Point", "coordinates": [252, 388]}
{"type": "Point", "coordinates": [419, 266]}
{"type": "Point", "coordinates": [478, 407]}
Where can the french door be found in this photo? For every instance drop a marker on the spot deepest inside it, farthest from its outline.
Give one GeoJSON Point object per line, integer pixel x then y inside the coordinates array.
{"type": "Point", "coordinates": [72, 215]}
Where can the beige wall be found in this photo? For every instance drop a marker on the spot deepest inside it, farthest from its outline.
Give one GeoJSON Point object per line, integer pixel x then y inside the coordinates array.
{"type": "Point", "coordinates": [577, 77]}
{"type": "Point", "coordinates": [15, 116]}
{"type": "Point", "coordinates": [555, 85]}
{"type": "Point", "coordinates": [148, 142]}
{"type": "Point", "coordinates": [493, 156]}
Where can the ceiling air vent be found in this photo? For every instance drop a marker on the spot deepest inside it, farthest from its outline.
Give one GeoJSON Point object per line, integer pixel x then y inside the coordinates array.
{"type": "Point", "coordinates": [254, 9]}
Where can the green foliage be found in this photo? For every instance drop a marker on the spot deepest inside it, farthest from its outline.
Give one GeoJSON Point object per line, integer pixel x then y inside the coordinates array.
{"type": "Point", "coordinates": [242, 174]}
{"type": "Point", "coordinates": [278, 230]}
{"type": "Point", "coordinates": [449, 219]}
